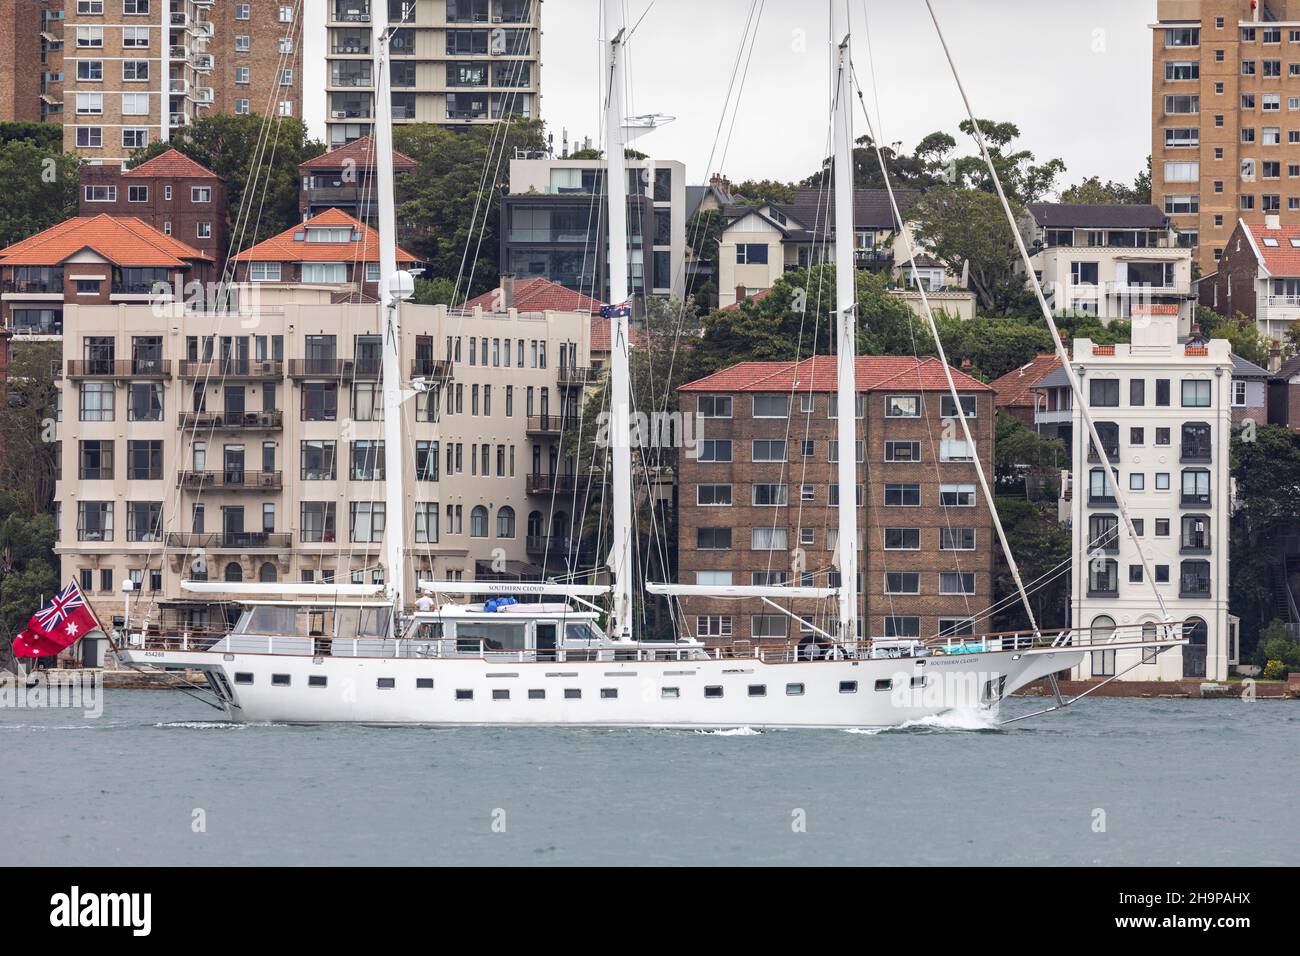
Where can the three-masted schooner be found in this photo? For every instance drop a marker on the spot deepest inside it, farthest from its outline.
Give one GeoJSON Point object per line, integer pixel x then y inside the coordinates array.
{"type": "Point", "coordinates": [349, 652]}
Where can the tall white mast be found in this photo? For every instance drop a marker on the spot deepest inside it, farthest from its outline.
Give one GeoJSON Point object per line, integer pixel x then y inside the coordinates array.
{"type": "Point", "coordinates": [845, 324]}
{"type": "Point", "coordinates": [620, 440]}
{"type": "Point", "coordinates": [390, 320]}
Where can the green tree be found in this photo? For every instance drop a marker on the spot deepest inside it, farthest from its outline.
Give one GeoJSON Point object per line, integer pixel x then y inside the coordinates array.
{"type": "Point", "coordinates": [41, 187]}
{"type": "Point", "coordinates": [448, 207]}
{"type": "Point", "coordinates": [1023, 179]}
{"type": "Point", "coordinates": [760, 191]}
{"type": "Point", "coordinates": [1041, 545]}
{"type": "Point", "coordinates": [28, 429]}
{"type": "Point", "coordinates": [703, 231]}
{"type": "Point", "coordinates": [1093, 192]}
{"type": "Point", "coordinates": [436, 291]}
{"type": "Point", "coordinates": [962, 226]}
{"type": "Point", "coordinates": [46, 136]}
{"type": "Point", "coordinates": [994, 345]}
{"type": "Point", "coordinates": [27, 564]}
{"type": "Point", "coordinates": [906, 171]}
{"type": "Point", "coordinates": [1277, 644]}
{"type": "Point", "coordinates": [1241, 332]}
{"type": "Point", "coordinates": [257, 157]}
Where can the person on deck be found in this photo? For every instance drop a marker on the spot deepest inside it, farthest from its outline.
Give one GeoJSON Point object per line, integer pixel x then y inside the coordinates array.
{"type": "Point", "coordinates": [425, 602]}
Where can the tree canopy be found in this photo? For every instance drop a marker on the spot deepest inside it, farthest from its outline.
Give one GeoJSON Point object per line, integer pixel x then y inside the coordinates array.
{"type": "Point", "coordinates": [41, 181]}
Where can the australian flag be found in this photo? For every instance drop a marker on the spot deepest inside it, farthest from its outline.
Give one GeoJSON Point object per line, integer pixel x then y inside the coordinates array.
{"type": "Point", "coordinates": [611, 311]}
{"type": "Point", "coordinates": [60, 623]}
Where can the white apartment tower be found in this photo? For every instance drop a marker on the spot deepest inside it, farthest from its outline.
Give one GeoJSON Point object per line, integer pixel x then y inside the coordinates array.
{"type": "Point", "coordinates": [1164, 414]}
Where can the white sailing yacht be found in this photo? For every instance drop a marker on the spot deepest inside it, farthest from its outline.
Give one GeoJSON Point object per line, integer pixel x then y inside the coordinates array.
{"type": "Point", "coordinates": [349, 652]}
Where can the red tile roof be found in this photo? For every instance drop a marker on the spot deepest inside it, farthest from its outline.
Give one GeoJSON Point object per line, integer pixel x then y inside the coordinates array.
{"type": "Point", "coordinates": [818, 375]}
{"type": "Point", "coordinates": [538, 295]}
{"type": "Point", "coordinates": [600, 335]}
{"type": "Point", "coordinates": [758, 296]}
{"type": "Point", "coordinates": [173, 164]}
{"type": "Point", "coordinates": [1014, 387]}
{"type": "Point", "coordinates": [361, 152]}
{"type": "Point", "coordinates": [287, 248]}
{"type": "Point", "coordinates": [1156, 308]}
{"type": "Point", "coordinates": [1282, 259]}
{"type": "Point", "coordinates": [122, 240]}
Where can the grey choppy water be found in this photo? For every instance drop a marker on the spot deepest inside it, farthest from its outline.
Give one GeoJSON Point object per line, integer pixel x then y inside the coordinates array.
{"type": "Point", "coordinates": [1180, 782]}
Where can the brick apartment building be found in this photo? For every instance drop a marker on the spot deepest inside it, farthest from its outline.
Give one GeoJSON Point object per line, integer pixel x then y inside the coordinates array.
{"type": "Point", "coordinates": [1225, 116]}
{"type": "Point", "coordinates": [20, 33]}
{"type": "Point", "coordinates": [755, 507]}
{"type": "Point", "coordinates": [171, 192]}
{"type": "Point", "coordinates": [344, 179]}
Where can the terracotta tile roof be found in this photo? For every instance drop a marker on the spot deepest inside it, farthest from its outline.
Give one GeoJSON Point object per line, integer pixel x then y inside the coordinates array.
{"type": "Point", "coordinates": [600, 335]}
{"type": "Point", "coordinates": [539, 295]}
{"type": "Point", "coordinates": [361, 152]}
{"type": "Point", "coordinates": [286, 248]}
{"type": "Point", "coordinates": [1156, 308]}
{"type": "Point", "coordinates": [1014, 387]}
{"type": "Point", "coordinates": [122, 240]}
{"type": "Point", "coordinates": [1282, 259]}
{"type": "Point", "coordinates": [818, 375]}
{"type": "Point", "coordinates": [758, 296]}
{"type": "Point", "coordinates": [174, 164]}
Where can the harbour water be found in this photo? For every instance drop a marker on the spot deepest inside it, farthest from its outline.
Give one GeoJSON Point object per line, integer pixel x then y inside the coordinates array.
{"type": "Point", "coordinates": [157, 780]}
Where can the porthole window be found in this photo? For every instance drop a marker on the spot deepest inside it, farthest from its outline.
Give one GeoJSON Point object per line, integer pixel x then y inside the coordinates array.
{"type": "Point", "coordinates": [918, 681]}
{"type": "Point", "coordinates": [670, 692]}
{"type": "Point", "coordinates": [316, 680]}
{"type": "Point", "coordinates": [386, 683]}
{"type": "Point", "coordinates": [884, 684]}
{"type": "Point", "coordinates": [757, 690]}
{"type": "Point", "coordinates": [243, 677]}
{"type": "Point", "coordinates": [794, 690]}
{"type": "Point", "coordinates": [424, 683]}
{"type": "Point", "coordinates": [537, 693]}
{"type": "Point", "coordinates": [279, 680]}
{"type": "Point", "coordinates": [608, 693]}
{"type": "Point", "coordinates": [501, 693]}
{"type": "Point", "coordinates": [464, 695]}
{"type": "Point", "coordinates": [714, 691]}
{"type": "Point", "coordinates": [572, 693]}
{"type": "Point", "coordinates": [848, 687]}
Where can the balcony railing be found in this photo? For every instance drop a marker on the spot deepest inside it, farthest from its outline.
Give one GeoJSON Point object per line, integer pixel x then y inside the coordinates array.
{"type": "Point", "coordinates": [573, 376]}
{"type": "Point", "coordinates": [1139, 288]}
{"type": "Point", "coordinates": [1103, 501]}
{"type": "Point", "coordinates": [231, 368]}
{"type": "Point", "coordinates": [1194, 542]}
{"type": "Point", "coordinates": [51, 286]}
{"type": "Point", "coordinates": [1194, 452]}
{"type": "Point", "coordinates": [1195, 500]}
{"type": "Point", "coordinates": [229, 541]}
{"type": "Point", "coordinates": [229, 480]}
{"type": "Point", "coordinates": [545, 484]}
{"type": "Point", "coordinates": [320, 368]}
{"type": "Point", "coordinates": [430, 368]}
{"type": "Point", "coordinates": [549, 425]}
{"type": "Point", "coordinates": [119, 368]}
{"type": "Point", "coordinates": [252, 421]}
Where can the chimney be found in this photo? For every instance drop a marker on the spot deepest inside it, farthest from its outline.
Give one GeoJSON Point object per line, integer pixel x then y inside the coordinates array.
{"type": "Point", "coordinates": [741, 296]}
{"type": "Point", "coordinates": [1275, 359]}
{"type": "Point", "coordinates": [507, 290]}
{"type": "Point", "coordinates": [1272, 221]}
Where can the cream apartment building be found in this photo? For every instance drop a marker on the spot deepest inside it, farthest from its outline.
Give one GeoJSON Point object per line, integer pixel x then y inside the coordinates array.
{"type": "Point", "coordinates": [1163, 411]}
{"type": "Point", "coordinates": [1225, 116]}
{"type": "Point", "coordinates": [454, 62]}
{"type": "Point", "coordinates": [247, 445]}
{"type": "Point", "coordinates": [136, 70]}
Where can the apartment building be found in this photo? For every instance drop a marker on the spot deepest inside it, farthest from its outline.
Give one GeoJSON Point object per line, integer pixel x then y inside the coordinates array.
{"type": "Point", "coordinates": [20, 35]}
{"type": "Point", "coordinates": [756, 505]}
{"type": "Point", "coordinates": [99, 259]}
{"type": "Point", "coordinates": [1225, 116]}
{"type": "Point", "coordinates": [248, 446]}
{"type": "Point", "coordinates": [171, 192]}
{"type": "Point", "coordinates": [1108, 260]}
{"type": "Point", "coordinates": [1143, 396]}
{"type": "Point", "coordinates": [135, 70]}
{"type": "Point", "coordinates": [455, 63]}
{"type": "Point", "coordinates": [344, 179]}
{"type": "Point", "coordinates": [1258, 276]}
{"type": "Point", "coordinates": [553, 225]}
{"type": "Point", "coordinates": [761, 243]}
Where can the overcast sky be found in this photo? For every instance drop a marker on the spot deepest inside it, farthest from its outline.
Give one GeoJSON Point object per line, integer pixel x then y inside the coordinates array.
{"type": "Point", "coordinates": [1074, 75]}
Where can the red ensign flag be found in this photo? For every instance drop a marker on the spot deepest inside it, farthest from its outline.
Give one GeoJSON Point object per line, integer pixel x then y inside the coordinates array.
{"type": "Point", "coordinates": [55, 626]}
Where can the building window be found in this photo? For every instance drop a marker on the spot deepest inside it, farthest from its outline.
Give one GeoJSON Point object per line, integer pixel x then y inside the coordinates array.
{"type": "Point", "coordinates": [1103, 577]}
{"type": "Point", "coordinates": [771, 406]}
{"type": "Point", "coordinates": [1103, 393]}
{"type": "Point", "coordinates": [957, 496]}
{"type": "Point", "coordinates": [713, 625]}
{"type": "Point", "coordinates": [902, 625]}
{"type": "Point", "coordinates": [902, 451]}
{"type": "Point", "coordinates": [714, 406]}
{"type": "Point", "coordinates": [902, 582]}
{"type": "Point", "coordinates": [713, 496]}
{"type": "Point", "coordinates": [1194, 579]}
{"type": "Point", "coordinates": [751, 253]}
{"type": "Point", "coordinates": [957, 582]}
{"type": "Point", "coordinates": [902, 496]}
{"type": "Point", "coordinates": [956, 539]}
{"type": "Point", "coordinates": [769, 450]}
{"type": "Point", "coordinates": [902, 539]}
{"type": "Point", "coordinates": [903, 406]}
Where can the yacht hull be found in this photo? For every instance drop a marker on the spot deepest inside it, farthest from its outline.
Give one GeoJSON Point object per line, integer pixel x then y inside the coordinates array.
{"type": "Point", "coordinates": [706, 693]}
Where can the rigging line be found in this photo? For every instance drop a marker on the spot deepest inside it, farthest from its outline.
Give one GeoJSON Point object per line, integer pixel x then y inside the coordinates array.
{"type": "Point", "coordinates": [906, 233]}
{"type": "Point", "coordinates": [1112, 472]}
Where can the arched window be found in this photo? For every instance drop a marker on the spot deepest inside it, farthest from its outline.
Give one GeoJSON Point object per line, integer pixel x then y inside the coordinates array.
{"type": "Point", "coordinates": [267, 573]}
{"type": "Point", "coordinates": [234, 572]}
{"type": "Point", "coordinates": [505, 522]}
{"type": "Point", "coordinates": [478, 522]}
{"type": "Point", "coordinates": [1103, 627]}
{"type": "Point", "coordinates": [560, 526]}
{"type": "Point", "coordinates": [534, 524]}
{"type": "Point", "coordinates": [1197, 633]}
{"type": "Point", "coordinates": [1103, 662]}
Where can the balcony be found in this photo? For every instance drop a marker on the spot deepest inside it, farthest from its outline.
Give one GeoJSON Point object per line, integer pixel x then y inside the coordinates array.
{"type": "Point", "coordinates": [1194, 500]}
{"type": "Point", "coordinates": [343, 369]}
{"type": "Point", "coordinates": [233, 421]}
{"type": "Point", "coordinates": [1179, 289]}
{"type": "Point", "coordinates": [1198, 452]}
{"type": "Point", "coordinates": [119, 368]}
{"type": "Point", "coordinates": [49, 285]}
{"type": "Point", "coordinates": [430, 368]}
{"type": "Point", "coordinates": [231, 369]}
{"type": "Point", "coordinates": [351, 12]}
{"type": "Point", "coordinates": [229, 541]}
{"type": "Point", "coordinates": [1101, 501]}
{"type": "Point", "coordinates": [572, 376]}
{"type": "Point", "coordinates": [229, 480]}
{"type": "Point", "coordinates": [201, 62]}
{"type": "Point", "coordinates": [546, 484]}
{"type": "Point", "coordinates": [1194, 542]}
{"type": "Point", "coordinates": [545, 426]}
